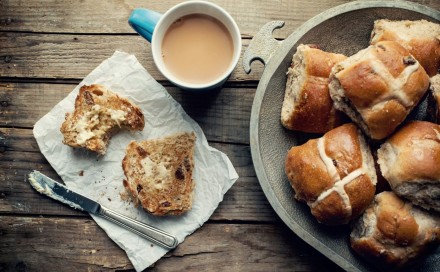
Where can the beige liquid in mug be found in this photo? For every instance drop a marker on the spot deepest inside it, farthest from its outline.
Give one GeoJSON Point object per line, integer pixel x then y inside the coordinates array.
{"type": "Point", "coordinates": [197, 48]}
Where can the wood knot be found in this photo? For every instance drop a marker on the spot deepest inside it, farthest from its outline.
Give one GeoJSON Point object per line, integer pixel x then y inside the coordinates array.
{"type": "Point", "coordinates": [21, 267]}
{"type": "Point", "coordinates": [4, 104]}
{"type": "Point", "coordinates": [2, 195]}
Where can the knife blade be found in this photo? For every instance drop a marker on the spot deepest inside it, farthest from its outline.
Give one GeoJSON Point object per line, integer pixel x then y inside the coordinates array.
{"type": "Point", "coordinates": [58, 191]}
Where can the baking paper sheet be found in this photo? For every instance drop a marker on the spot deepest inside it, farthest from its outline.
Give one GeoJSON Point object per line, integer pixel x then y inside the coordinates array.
{"type": "Point", "coordinates": [100, 177]}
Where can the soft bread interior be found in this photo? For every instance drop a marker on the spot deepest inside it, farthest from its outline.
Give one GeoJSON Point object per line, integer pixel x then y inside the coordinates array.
{"type": "Point", "coordinates": [425, 193]}
{"type": "Point", "coordinates": [367, 159]}
{"type": "Point", "coordinates": [405, 30]}
{"type": "Point", "coordinates": [296, 75]}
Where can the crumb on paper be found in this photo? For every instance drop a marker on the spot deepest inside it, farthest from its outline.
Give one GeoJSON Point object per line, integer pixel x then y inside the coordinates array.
{"type": "Point", "coordinates": [125, 196]}
{"type": "Point", "coordinates": [81, 173]}
{"type": "Point", "coordinates": [109, 199]}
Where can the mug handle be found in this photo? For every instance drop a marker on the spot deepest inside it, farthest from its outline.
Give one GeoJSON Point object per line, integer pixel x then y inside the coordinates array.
{"type": "Point", "coordinates": [143, 21]}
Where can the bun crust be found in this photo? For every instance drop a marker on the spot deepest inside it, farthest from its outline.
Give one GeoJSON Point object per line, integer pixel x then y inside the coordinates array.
{"type": "Point", "coordinates": [334, 175]}
{"type": "Point", "coordinates": [391, 232]}
{"type": "Point", "coordinates": [410, 159]}
{"type": "Point", "coordinates": [159, 173]}
{"type": "Point", "coordinates": [378, 87]}
{"type": "Point", "coordinates": [421, 38]}
{"type": "Point", "coordinates": [434, 98]}
{"type": "Point", "coordinates": [98, 114]}
{"type": "Point", "coordinates": [307, 105]}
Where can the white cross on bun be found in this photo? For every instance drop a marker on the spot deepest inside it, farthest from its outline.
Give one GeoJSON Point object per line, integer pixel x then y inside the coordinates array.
{"type": "Point", "coordinates": [307, 105]}
{"type": "Point", "coordinates": [410, 161]}
{"type": "Point", "coordinates": [392, 232]}
{"type": "Point", "coordinates": [421, 38]}
{"type": "Point", "coordinates": [378, 87]}
{"type": "Point", "coordinates": [334, 175]}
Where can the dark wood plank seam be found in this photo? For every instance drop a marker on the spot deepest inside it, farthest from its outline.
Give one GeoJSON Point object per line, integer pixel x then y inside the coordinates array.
{"type": "Point", "coordinates": [86, 216]}
{"type": "Point", "coordinates": [248, 84]}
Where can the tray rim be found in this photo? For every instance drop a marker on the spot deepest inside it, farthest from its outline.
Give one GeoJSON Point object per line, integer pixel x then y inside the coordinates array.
{"type": "Point", "coordinates": [268, 72]}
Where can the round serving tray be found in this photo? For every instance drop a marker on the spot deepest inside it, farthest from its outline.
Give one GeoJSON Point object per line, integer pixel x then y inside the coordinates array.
{"type": "Point", "coordinates": [344, 29]}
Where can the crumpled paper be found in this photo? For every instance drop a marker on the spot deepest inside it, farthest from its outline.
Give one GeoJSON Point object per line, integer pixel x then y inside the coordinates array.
{"type": "Point", "coordinates": [100, 177]}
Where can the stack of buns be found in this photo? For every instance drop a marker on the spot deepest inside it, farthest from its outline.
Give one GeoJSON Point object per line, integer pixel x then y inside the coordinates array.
{"type": "Point", "coordinates": [336, 174]}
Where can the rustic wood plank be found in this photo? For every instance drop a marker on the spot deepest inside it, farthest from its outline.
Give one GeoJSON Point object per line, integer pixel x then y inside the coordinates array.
{"type": "Point", "coordinates": [59, 244]}
{"type": "Point", "coordinates": [223, 116]}
{"type": "Point", "coordinates": [52, 244]}
{"type": "Point", "coordinates": [19, 155]}
{"type": "Point", "coordinates": [93, 17]}
{"type": "Point", "coordinates": [75, 56]}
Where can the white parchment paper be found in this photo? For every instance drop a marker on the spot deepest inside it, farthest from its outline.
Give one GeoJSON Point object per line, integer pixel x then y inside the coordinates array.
{"type": "Point", "coordinates": [101, 176]}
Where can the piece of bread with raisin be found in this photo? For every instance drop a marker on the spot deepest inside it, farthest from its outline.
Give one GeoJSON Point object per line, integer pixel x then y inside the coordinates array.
{"type": "Point", "coordinates": [98, 114]}
{"type": "Point", "coordinates": [159, 173]}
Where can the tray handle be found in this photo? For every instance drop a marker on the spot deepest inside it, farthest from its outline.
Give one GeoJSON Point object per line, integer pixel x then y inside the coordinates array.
{"type": "Point", "coordinates": [262, 45]}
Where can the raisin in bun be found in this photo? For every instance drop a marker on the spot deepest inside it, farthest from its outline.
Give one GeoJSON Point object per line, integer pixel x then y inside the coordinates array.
{"type": "Point", "coordinates": [421, 38]}
{"type": "Point", "coordinates": [378, 87]}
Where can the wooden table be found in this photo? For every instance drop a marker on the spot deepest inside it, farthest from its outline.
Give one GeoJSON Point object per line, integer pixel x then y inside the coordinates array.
{"type": "Point", "coordinates": [46, 48]}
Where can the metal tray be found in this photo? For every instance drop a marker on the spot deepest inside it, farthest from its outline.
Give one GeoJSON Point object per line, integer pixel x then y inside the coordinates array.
{"type": "Point", "coordinates": [344, 29]}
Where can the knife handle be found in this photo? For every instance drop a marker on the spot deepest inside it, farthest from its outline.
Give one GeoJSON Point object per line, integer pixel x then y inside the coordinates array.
{"type": "Point", "coordinates": [151, 233]}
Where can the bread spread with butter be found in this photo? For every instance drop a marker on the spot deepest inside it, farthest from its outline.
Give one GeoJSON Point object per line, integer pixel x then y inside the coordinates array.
{"type": "Point", "coordinates": [98, 114]}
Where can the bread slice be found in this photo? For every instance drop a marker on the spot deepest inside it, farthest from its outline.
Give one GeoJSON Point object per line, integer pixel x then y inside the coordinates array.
{"type": "Point", "coordinates": [307, 105]}
{"type": "Point", "coordinates": [421, 38]}
{"type": "Point", "coordinates": [98, 114]}
{"type": "Point", "coordinates": [159, 173]}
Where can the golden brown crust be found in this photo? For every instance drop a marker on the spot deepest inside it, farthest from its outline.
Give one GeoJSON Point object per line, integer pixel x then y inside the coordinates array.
{"type": "Point", "coordinates": [97, 115]}
{"type": "Point", "coordinates": [159, 173]}
{"type": "Point", "coordinates": [393, 232]}
{"type": "Point", "coordinates": [421, 38]}
{"type": "Point", "coordinates": [310, 108]}
{"type": "Point", "coordinates": [434, 98]}
{"type": "Point", "coordinates": [309, 174]}
{"type": "Point", "coordinates": [378, 87]}
{"type": "Point", "coordinates": [409, 161]}
{"type": "Point", "coordinates": [417, 150]}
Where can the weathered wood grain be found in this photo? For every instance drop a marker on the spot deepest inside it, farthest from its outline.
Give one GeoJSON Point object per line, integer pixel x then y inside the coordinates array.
{"type": "Point", "coordinates": [75, 56]}
{"type": "Point", "coordinates": [224, 116]}
{"type": "Point", "coordinates": [93, 17]}
{"type": "Point", "coordinates": [19, 155]}
{"type": "Point", "coordinates": [60, 244]}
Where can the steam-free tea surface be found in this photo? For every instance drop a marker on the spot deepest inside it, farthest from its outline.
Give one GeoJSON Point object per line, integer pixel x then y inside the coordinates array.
{"type": "Point", "coordinates": [197, 48]}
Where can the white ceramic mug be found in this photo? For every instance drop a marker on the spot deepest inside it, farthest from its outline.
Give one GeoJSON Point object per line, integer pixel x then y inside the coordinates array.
{"type": "Point", "coordinates": [153, 26]}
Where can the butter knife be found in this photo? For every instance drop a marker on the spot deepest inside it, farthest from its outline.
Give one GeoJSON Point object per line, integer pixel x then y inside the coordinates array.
{"type": "Point", "coordinates": [58, 191]}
